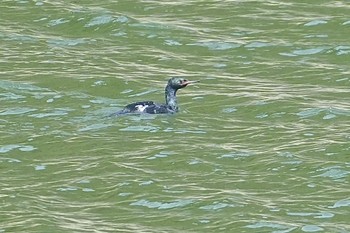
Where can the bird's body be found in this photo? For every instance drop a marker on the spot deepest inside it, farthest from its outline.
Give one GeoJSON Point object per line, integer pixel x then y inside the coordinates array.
{"type": "Point", "coordinates": [146, 107]}
{"type": "Point", "coordinates": [151, 107]}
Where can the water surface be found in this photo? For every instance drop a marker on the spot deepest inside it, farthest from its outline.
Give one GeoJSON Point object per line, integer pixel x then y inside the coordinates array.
{"type": "Point", "coordinates": [260, 145]}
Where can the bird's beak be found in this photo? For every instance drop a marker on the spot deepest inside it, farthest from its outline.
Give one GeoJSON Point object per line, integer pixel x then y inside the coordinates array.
{"type": "Point", "coordinates": [189, 82]}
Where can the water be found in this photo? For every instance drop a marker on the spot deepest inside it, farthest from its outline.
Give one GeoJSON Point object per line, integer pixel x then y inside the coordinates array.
{"type": "Point", "coordinates": [260, 145]}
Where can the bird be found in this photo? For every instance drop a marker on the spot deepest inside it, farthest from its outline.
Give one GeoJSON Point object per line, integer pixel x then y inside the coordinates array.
{"type": "Point", "coordinates": [151, 107]}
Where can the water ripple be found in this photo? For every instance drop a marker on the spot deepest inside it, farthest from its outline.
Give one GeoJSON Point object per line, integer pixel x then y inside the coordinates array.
{"type": "Point", "coordinates": [162, 205]}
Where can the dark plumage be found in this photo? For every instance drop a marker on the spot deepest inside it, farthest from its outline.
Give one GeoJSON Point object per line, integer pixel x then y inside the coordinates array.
{"type": "Point", "coordinates": [151, 107]}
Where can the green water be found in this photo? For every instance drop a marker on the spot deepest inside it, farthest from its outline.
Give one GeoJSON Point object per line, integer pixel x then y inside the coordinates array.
{"type": "Point", "coordinates": [260, 145]}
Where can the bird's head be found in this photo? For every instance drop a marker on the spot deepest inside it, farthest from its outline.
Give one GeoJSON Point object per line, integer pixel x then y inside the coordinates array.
{"type": "Point", "coordinates": [179, 82]}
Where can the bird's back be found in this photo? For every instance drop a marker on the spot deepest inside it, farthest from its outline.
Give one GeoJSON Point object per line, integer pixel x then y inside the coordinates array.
{"type": "Point", "coordinates": [149, 107]}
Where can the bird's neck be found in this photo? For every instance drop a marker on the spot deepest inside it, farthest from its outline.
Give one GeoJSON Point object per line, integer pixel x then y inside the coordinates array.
{"type": "Point", "coordinates": [170, 98]}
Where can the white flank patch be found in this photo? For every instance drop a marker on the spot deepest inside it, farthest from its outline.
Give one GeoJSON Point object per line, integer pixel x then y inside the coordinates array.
{"type": "Point", "coordinates": [141, 108]}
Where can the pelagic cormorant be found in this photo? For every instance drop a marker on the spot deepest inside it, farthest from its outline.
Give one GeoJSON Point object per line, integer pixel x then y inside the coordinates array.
{"type": "Point", "coordinates": [151, 107]}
